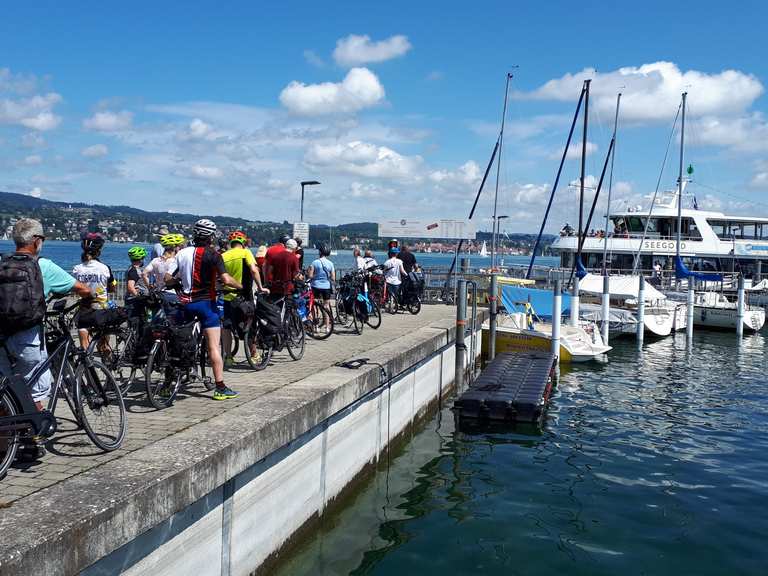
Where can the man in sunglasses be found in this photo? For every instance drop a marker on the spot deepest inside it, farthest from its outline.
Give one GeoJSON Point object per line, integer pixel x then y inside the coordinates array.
{"type": "Point", "coordinates": [25, 281]}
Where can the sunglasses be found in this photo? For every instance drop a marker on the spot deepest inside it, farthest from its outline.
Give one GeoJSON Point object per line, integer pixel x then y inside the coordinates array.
{"type": "Point", "coordinates": [39, 236]}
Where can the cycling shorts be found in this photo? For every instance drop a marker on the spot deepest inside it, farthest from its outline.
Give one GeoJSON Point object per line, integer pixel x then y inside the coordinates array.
{"type": "Point", "coordinates": [322, 293]}
{"type": "Point", "coordinates": [206, 311]}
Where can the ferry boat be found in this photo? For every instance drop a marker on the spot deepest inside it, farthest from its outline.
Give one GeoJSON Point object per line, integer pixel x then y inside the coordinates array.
{"type": "Point", "coordinates": [709, 241]}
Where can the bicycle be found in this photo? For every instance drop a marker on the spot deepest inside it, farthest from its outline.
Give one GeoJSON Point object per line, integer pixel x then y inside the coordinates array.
{"type": "Point", "coordinates": [87, 386]}
{"type": "Point", "coordinates": [318, 317]}
{"type": "Point", "coordinates": [178, 357]}
{"type": "Point", "coordinates": [353, 307]}
{"type": "Point", "coordinates": [257, 352]}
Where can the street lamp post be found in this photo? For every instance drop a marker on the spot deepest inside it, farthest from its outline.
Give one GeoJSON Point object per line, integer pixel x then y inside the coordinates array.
{"type": "Point", "coordinates": [305, 183]}
{"type": "Point", "coordinates": [496, 228]}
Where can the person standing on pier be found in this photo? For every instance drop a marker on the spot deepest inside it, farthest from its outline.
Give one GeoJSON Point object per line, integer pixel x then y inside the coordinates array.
{"type": "Point", "coordinates": [198, 269]}
{"type": "Point", "coordinates": [394, 272]}
{"type": "Point", "coordinates": [408, 259]}
{"type": "Point", "coordinates": [322, 276]}
{"type": "Point", "coordinates": [359, 260]}
{"type": "Point", "coordinates": [281, 268]}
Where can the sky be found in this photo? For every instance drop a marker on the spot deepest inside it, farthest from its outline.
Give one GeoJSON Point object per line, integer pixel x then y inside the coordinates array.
{"type": "Point", "coordinates": [223, 108]}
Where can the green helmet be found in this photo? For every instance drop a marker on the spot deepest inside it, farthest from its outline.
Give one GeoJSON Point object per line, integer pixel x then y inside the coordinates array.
{"type": "Point", "coordinates": [137, 253]}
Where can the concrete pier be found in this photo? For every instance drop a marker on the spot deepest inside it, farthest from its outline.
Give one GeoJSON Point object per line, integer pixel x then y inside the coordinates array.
{"type": "Point", "coordinates": [222, 487]}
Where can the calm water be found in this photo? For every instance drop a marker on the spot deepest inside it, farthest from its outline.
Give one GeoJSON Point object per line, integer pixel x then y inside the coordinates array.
{"type": "Point", "coordinates": [67, 254]}
{"type": "Point", "coordinates": [654, 463]}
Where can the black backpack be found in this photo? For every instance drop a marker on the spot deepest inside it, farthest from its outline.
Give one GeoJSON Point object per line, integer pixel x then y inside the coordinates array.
{"type": "Point", "coordinates": [22, 302]}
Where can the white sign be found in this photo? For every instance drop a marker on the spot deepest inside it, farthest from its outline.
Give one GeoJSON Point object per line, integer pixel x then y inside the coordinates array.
{"type": "Point", "coordinates": [751, 249]}
{"type": "Point", "coordinates": [663, 246]}
{"type": "Point", "coordinates": [301, 230]}
{"type": "Point", "coordinates": [449, 229]}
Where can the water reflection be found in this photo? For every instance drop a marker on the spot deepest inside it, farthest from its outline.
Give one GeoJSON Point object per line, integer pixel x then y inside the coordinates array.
{"type": "Point", "coordinates": [651, 463]}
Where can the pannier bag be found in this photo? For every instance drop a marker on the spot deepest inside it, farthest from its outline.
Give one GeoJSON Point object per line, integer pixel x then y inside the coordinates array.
{"type": "Point", "coordinates": [101, 319]}
{"type": "Point", "coordinates": [268, 315]}
{"type": "Point", "coordinates": [244, 313]}
{"type": "Point", "coordinates": [182, 345]}
{"type": "Point", "coordinates": [22, 302]}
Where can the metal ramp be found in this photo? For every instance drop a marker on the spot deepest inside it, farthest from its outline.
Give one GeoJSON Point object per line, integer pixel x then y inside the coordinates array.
{"type": "Point", "coordinates": [514, 388]}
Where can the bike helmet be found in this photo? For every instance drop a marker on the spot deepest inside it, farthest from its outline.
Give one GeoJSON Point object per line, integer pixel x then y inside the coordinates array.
{"type": "Point", "coordinates": [137, 253]}
{"type": "Point", "coordinates": [238, 236]}
{"type": "Point", "coordinates": [172, 240]}
{"type": "Point", "coordinates": [91, 243]}
{"type": "Point", "coordinates": [204, 228]}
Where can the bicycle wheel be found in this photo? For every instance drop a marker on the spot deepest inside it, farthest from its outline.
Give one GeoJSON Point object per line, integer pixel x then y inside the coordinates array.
{"type": "Point", "coordinates": [415, 306]}
{"type": "Point", "coordinates": [342, 317]}
{"type": "Point", "coordinates": [159, 377]}
{"type": "Point", "coordinates": [295, 339]}
{"type": "Point", "coordinates": [391, 304]}
{"type": "Point", "coordinates": [374, 315]}
{"type": "Point", "coordinates": [68, 391]}
{"type": "Point", "coordinates": [101, 405]}
{"type": "Point", "coordinates": [317, 321]}
{"type": "Point", "coordinates": [357, 321]}
{"type": "Point", "coordinates": [9, 439]}
{"type": "Point", "coordinates": [257, 351]}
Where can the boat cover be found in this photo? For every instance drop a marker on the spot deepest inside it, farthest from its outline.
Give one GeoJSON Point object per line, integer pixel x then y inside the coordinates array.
{"type": "Point", "coordinates": [619, 286]}
{"type": "Point", "coordinates": [594, 313]}
{"type": "Point", "coordinates": [514, 299]}
{"type": "Point", "coordinates": [681, 271]}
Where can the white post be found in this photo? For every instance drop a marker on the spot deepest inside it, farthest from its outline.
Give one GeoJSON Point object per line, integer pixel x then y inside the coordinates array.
{"type": "Point", "coordinates": [575, 302]}
{"type": "Point", "coordinates": [606, 308]}
{"type": "Point", "coordinates": [641, 310]}
{"type": "Point", "coordinates": [556, 313]}
{"type": "Point", "coordinates": [689, 311]}
{"type": "Point", "coordinates": [740, 309]}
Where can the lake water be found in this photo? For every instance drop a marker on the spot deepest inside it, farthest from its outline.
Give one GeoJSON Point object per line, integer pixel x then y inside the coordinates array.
{"type": "Point", "coordinates": [67, 255]}
{"type": "Point", "coordinates": [654, 463]}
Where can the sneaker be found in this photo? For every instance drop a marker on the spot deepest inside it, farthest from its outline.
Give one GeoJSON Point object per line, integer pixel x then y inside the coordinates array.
{"type": "Point", "coordinates": [224, 393]}
{"type": "Point", "coordinates": [228, 362]}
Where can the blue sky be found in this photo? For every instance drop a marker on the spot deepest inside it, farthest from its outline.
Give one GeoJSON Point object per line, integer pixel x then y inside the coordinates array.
{"type": "Point", "coordinates": [223, 108]}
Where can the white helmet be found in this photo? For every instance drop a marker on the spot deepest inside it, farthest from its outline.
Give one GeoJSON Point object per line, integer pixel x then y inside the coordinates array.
{"type": "Point", "coordinates": [204, 228]}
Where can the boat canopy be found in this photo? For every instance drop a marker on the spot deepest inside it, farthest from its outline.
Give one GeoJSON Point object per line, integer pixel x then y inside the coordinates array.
{"type": "Point", "coordinates": [514, 299]}
{"type": "Point", "coordinates": [620, 287]}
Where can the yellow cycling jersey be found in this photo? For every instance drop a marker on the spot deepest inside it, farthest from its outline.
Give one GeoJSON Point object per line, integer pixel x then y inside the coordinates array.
{"type": "Point", "coordinates": [233, 264]}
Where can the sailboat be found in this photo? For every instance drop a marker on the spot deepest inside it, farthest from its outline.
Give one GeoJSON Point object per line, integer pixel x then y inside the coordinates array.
{"type": "Point", "coordinates": [330, 242]}
{"type": "Point", "coordinates": [484, 250]}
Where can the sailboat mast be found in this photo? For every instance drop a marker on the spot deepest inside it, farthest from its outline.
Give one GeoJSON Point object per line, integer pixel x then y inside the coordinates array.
{"type": "Point", "coordinates": [610, 186]}
{"type": "Point", "coordinates": [583, 157]}
{"type": "Point", "coordinates": [680, 189]}
{"type": "Point", "coordinates": [498, 171]}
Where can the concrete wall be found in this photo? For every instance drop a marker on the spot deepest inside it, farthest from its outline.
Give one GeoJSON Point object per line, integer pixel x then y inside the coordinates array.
{"type": "Point", "coordinates": [236, 527]}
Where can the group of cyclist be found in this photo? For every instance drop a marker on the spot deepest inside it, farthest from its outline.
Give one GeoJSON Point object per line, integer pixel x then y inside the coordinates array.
{"type": "Point", "coordinates": [190, 280]}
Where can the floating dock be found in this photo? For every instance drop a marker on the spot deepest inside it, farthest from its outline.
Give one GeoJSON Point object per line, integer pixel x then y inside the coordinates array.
{"type": "Point", "coordinates": [515, 388]}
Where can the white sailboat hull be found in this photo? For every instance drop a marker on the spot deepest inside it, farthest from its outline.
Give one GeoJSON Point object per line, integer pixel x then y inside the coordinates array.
{"type": "Point", "coordinates": [727, 318]}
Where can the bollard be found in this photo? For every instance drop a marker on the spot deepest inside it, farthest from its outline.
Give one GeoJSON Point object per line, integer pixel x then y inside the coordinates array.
{"type": "Point", "coordinates": [689, 312]}
{"type": "Point", "coordinates": [641, 310]}
{"type": "Point", "coordinates": [494, 305]}
{"type": "Point", "coordinates": [740, 309]}
{"type": "Point", "coordinates": [464, 265]}
{"type": "Point", "coordinates": [575, 302]}
{"type": "Point", "coordinates": [758, 273]}
{"type": "Point", "coordinates": [461, 324]}
{"type": "Point", "coordinates": [606, 302]}
{"type": "Point", "coordinates": [557, 299]}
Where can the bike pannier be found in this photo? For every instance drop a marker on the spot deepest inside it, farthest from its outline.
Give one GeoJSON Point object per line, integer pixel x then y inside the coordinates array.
{"type": "Point", "coordinates": [182, 345]}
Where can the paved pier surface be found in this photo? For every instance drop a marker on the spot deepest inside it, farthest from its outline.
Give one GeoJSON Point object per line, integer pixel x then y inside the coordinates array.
{"type": "Point", "coordinates": [70, 452]}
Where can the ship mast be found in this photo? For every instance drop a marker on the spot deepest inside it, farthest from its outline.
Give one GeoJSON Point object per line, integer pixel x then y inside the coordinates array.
{"type": "Point", "coordinates": [680, 189]}
{"type": "Point", "coordinates": [610, 186]}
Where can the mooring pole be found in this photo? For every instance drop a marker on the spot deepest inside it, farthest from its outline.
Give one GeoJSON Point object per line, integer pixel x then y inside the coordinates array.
{"type": "Point", "coordinates": [461, 324]}
{"type": "Point", "coordinates": [758, 273]}
{"type": "Point", "coordinates": [557, 300]}
{"type": "Point", "coordinates": [641, 311]}
{"type": "Point", "coordinates": [740, 309]}
{"type": "Point", "coordinates": [606, 308]}
{"type": "Point", "coordinates": [494, 305]}
{"type": "Point", "coordinates": [689, 310]}
{"type": "Point", "coordinates": [575, 302]}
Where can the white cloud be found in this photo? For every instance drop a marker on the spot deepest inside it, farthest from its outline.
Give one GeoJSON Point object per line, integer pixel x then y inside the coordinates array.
{"type": "Point", "coordinates": [205, 172]}
{"type": "Point", "coordinates": [744, 134]}
{"type": "Point", "coordinates": [355, 50]}
{"type": "Point", "coordinates": [363, 159]}
{"type": "Point", "coordinates": [36, 192]}
{"type": "Point", "coordinates": [312, 58]}
{"type": "Point", "coordinates": [34, 112]}
{"type": "Point", "coordinates": [17, 83]}
{"type": "Point", "coordinates": [95, 151]}
{"type": "Point", "coordinates": [33, 160]}
{"type": "Point", "coordinates": [359, 89]}
{"type": "Point", "coordinates": [32, 140]}
{"type": "Point", "coordinates": [759, 180]}
{"type": "Point", "coordinates": [574, 151]}
{"type": "Point", "coordinates": [108, 121]}
{"type": "Point", "coordinates": [467, 173]}
{"type": "Point", "coordinates": [651, 92]}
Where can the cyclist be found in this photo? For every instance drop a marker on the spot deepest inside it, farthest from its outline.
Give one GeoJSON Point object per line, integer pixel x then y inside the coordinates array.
{"type": "Point", "coordinates": [358, 257]}
{"type": "Point", "coordinates": [281, 268]}
{"type": "Point", "coordinates": [409, 260]}
{"type": "Point", "coordinates": [322, 275]}
{"type": "Point", "coordinates": [197, 268]}
{"type": "Point", "coordinates": [241, 265]}
{"type": "Point", "coordinates": [300, 252]}
{"type": "Point", "coordinates": [98, 277]}
{"type": "Point", "coordinates": [369, 261]}
{"type": "Point", "coordinates": [155, 272]}
{"type": "Point", "coordinates": [134, 275]}
{"type": "Point", "coordinates": [23, 346]}
{"type": "Point", "coordinates": [394, 272]}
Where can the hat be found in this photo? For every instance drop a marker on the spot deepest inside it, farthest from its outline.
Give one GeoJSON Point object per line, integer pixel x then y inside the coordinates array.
{"type": "Point", "coordinates": [261, 252]}
{"type": "Point", "coordinates": [290, 244]}
{"type": "Point", "coordinates": [162, 231]}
